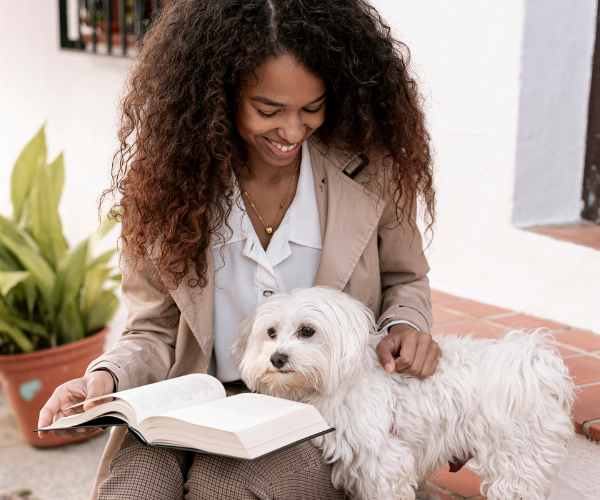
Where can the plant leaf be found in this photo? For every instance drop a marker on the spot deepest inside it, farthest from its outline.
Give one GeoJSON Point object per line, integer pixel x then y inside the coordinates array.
{"type": "Point", "coordinates": [9, 279]}
{"type": "Point", "coordinates": [28, 326]}
{"type": "Point", "coordinates": [103, 258]}
{"type": "Point", "coordinates": [56, 176]}
{"type": "Point", "coordinates": [17, 335]}
{"type": "Point", "coordinates": [70, 274]}
{"type": "Point", "coordinates": [29, 161]}
{"type": "Point", "coordinates": [7, 262]}
{"type": "Point", "coordinates": [101, 311]}
{"type": "Point", "coordinates": [40, 270]}
{"type": "Point", "coordinates": [70, 324]}
{"type": "Point", "coordinates": [31, 295]}
{"type": "Point", "coordinates": [15, 232]}
{"type": "Point", "coordinates": [116, 277]}
{"type": "Point", "coordinates": [93, 286]}
{"type": "Point", "coordinates": [46, 227]}
{"type": "Point", "coordinates": [106, 224]}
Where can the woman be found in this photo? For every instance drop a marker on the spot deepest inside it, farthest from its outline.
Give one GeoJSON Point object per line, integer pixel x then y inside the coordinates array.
{"type": "Point", "coordinates": [266, 145]}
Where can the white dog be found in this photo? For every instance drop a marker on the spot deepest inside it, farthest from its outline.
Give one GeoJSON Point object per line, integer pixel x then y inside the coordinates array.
{"type": "Point", "coordinates": [505, 402]}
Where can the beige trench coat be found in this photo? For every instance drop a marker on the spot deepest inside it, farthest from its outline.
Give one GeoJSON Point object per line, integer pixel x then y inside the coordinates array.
{"type": "Point", "coordinates": [365, 254]}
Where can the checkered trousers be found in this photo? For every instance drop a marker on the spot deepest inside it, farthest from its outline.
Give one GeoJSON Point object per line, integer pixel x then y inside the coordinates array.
{"type": "Point", "coordinates": [139, 472]}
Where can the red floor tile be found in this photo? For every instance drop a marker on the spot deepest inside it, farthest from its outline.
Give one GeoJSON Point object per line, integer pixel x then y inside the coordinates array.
{"type": "Point", "coordinates": [437, 296]}
{"type": "Point", "coordinates": [441, 316]}
{"type": "Point", "coordinates": [579, 338]}
{"type": "Point", "coordinates": [479, 329]}
{"type": "Point", "coordinates": [442, 495]}
{"type": "Point", "coordinates": [464, 482]}
{"type": "Point", "coordinates": [586, 234]}
{"type": "Point", "coordinates": [587, 405]}
{"type": "Point", "coordinates": [584, 369]}
{"type": "Point", "coordinates": [595, 431]}
{"type": "Point", "coordinates": [476, 309]}
{"type": "Point", "coordinates": [528, 322]}
{"type": "Point", "coordinates": [563, 351]}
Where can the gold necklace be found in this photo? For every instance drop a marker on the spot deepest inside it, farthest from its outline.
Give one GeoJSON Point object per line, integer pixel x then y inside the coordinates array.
{"type": "Point", "coordinates": [269, 229]}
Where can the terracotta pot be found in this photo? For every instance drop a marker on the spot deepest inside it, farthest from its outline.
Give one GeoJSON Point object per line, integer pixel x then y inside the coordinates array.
{"type": "Point", "coordinates": [29, 379]}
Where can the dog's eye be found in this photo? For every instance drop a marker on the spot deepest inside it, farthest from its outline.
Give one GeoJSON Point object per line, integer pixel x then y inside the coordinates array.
{"type": "Point", "coordinates": [307, 331]}
{"type": "Point", "coordinates": [271, 332]}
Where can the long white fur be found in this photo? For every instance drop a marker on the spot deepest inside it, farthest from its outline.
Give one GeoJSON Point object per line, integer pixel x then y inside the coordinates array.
{"type": "Point", "coordinates": [505, 402]}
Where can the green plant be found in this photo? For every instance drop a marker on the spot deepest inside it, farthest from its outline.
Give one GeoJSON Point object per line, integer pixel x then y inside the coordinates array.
{"type": "Point", "coordinates": [49, 294]}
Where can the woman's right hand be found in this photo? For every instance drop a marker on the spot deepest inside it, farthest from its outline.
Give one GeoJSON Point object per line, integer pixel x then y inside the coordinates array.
{"type": "Point", "coordinates": [92, 385]}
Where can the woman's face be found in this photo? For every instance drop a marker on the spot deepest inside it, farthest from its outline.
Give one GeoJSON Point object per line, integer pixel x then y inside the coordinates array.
{"type": "Point", "coordinates": [275, 114]}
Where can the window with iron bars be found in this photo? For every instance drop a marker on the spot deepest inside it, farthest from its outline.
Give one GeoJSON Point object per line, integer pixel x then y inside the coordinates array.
{"type": "Point", "coordinates": [110, 27]}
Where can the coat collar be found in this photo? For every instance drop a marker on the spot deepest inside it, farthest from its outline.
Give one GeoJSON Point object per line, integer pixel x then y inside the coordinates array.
{"type": "Point", "coordinates": [348, 216]}
{"type": "Point", "coordinates": [348, 212]}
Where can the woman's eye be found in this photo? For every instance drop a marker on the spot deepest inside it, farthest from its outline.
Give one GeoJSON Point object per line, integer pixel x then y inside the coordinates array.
{"type": "Point", "coordinates": [271, 332]}
{"type": "Point", "coordinates": [266, 115]}
{"type": "Point", "coordinates": [307, 331]}
{"type": "Point", "coordinates": [314, 110]}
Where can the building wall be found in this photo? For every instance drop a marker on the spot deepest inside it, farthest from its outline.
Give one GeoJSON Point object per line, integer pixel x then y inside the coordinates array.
{"type": "Point", "coordinates": [74, 94]}
{"type": "Point", "coordinates": [557, 50]}
{"type": "Point", "coordinates": [472, 58]}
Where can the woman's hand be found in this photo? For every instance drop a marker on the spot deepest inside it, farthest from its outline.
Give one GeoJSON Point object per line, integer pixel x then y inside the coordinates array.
{"type": "Point", "coordinates": [417, 352]}
{"type": "Point", "coordinates": [94, 384]}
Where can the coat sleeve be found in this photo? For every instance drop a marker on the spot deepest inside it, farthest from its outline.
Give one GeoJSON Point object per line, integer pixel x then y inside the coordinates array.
{"type": "Point", "coordinates": [403, 267]}
{"type": "Point", "coordinates": [146, 350]}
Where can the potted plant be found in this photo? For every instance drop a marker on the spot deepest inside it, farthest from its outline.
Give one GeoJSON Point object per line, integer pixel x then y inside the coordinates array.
{"type": "Point", "coordinates": [55, 301]}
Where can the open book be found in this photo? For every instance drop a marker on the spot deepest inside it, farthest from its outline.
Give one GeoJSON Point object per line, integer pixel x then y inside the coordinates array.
{"type": "Point", "coordinates": [192, 413]}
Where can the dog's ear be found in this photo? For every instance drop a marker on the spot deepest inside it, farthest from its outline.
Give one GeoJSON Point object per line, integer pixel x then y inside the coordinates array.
{"type": "Point", "coordinates": [348, 325]}
{"type": "Point", "coordinates": [242, 335]}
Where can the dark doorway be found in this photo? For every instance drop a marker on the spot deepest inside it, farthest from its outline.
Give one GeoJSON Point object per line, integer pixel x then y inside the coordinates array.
{"type": "Point", "coordinates": [591, 176]}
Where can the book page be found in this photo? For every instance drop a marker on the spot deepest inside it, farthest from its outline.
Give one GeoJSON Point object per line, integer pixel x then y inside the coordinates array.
{"type": "Point", "coordinates": [168, 395]}
{"type": "Point", "coordinates": [236, 412]}
{"type": "Point", "coordinates": [172, 394]}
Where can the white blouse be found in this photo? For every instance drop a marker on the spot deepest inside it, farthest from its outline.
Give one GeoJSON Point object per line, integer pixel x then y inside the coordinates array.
{"type": "Point", "coordinates": [246, 273]}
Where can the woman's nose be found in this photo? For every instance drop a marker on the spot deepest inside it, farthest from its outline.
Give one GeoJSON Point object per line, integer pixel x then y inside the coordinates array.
{"type": "Point", "coordinates": [293, 131]}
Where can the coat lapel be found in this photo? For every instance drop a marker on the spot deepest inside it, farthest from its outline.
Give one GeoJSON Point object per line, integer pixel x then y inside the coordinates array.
{"type": "Point", "coordinates": [348, 213]}
{"type": "Point", "coordinates": [197, 305]}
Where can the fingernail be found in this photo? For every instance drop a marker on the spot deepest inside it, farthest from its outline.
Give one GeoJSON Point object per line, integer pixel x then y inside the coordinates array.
{"type": "Point", "coordinates": [389, 368]}
{"type": "Point", "coordinates": [80, 430]}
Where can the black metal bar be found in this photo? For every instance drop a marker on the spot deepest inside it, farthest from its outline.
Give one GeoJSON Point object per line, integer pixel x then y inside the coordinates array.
{"type": "Point", "coordinates": [94, 15]}
{"type": "Point", "coordinates": [108, 24]}
{"type": "Point", "coordinates": [80, 43]}
{"type": "Point", "coordinates": [65, 43]}
{"type": "Point", "coordinates": [591, 174]}
{"type": "Point", "coordinates": [94, 9]}
{"type": "Point", "coordinates": [123, 20]}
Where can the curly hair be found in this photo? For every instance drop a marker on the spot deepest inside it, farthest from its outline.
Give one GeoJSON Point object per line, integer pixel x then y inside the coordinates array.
{"type": "Point", "coordinates": [178, 143]}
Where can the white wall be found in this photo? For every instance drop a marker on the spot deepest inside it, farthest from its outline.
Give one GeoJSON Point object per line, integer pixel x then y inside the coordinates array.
{"type": "Point", "coordinates": [75, 94]}
{"type": "Point", "coordinates": [469, 56]}
{"type": "Point", "coordinates": [556, 67]}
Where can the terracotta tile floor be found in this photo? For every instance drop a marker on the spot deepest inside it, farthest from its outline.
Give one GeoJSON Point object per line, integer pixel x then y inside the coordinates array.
{"type": "Point", "coordinates": [580, 350]}
{"type": "Point", "coordinates": [582, 233]}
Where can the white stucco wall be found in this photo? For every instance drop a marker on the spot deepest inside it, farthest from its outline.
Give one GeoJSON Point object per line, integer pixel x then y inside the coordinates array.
{"type": "Point", "coordinates": [75, 94]}
{"type": "Point", "coordinates": [469, 55]}
{"type": "Point", "coordinates": [556, 64]}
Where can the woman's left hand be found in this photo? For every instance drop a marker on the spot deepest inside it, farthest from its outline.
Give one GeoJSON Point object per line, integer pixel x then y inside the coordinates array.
{"type": "Point", "coordinates": [417, 352]}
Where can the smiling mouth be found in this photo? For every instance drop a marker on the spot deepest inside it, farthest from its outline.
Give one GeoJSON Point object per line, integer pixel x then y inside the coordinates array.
{"type": "Point", "coordinates": [282, 147]}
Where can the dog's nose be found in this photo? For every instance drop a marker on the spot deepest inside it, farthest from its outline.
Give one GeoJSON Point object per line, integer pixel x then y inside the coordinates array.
{"type": "Point", "coordinates": [278, 359]}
